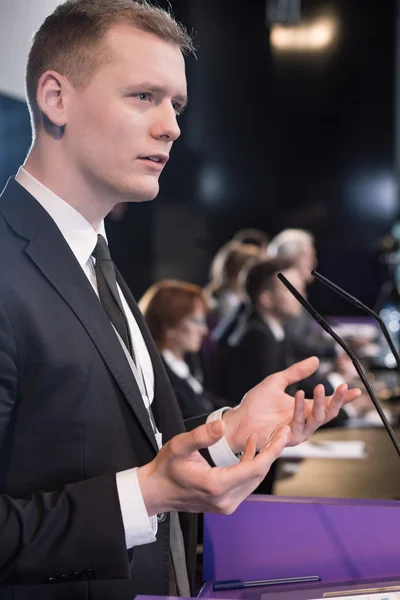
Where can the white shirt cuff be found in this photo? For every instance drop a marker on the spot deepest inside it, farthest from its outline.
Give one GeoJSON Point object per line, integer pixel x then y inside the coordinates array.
{"type": "Point", "coordinates": [139, 527]}
{"type": "Point", "coordinates": [350, 411]}
{"type": "Point", "coordinates": [220, 452]}
{"type": "Point", "coordinates": [335, 379]}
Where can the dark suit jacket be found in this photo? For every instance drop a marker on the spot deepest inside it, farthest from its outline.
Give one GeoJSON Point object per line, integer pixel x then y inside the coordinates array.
{"type": "Point", "coordinates": [190, 403]}
{"type": "Point", "coordinates": [248, 355]}
{"type": "Point", "coordinates": [71, 416]}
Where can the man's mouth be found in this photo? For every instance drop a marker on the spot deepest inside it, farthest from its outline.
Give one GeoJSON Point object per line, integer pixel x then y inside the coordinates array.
{"type": "Point", "coordinates": [159, 159]}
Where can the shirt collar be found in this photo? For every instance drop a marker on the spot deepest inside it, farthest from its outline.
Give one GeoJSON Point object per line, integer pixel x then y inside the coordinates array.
{"type": "Point", "coordinates": [178, 366]}
{"type": "Point", "coordinates": [276, 329]}
{"type": "Point", "coordinates": [181, 369]}
{"type": "Point", "coordinates": [78, 233]}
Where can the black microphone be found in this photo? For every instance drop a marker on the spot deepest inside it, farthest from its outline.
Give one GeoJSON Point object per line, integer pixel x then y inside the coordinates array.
{"type": "Point", "coordinates": [359, 304]}
{"type": "Point", "coordinates": [321, 321]}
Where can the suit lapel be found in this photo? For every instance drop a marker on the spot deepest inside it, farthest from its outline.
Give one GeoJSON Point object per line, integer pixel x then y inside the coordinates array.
{"type": "Point", "coordinates": [165, 406]}
{"type": "Point", "coordinates": [50, 253]}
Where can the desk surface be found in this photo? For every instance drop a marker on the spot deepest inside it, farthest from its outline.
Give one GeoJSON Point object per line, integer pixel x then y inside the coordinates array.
{"type": "Point", "coordinates": [376, 477]}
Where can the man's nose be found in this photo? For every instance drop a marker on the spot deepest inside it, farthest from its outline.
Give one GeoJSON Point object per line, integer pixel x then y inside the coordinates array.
{"type": "Point", "coordinates": [166, 125]}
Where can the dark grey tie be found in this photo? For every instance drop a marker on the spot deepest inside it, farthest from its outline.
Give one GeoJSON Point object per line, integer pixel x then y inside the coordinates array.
{"type": "Point", "coordinates": [111, 301]}
{"type": "Point", "coordinates": [108, 292]}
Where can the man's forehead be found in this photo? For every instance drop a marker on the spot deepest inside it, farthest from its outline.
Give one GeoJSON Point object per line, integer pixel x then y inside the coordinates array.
{"type": "Point", "coordinates": [147, 59]}
{"type": "Point", "coordinates": [122, 37]}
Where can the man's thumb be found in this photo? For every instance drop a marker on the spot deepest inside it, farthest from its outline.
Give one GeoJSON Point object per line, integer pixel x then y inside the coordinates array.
{"type": "Point", "coordinates": [217, 428]}
{"type": "Point", "coordinates": [202, 437]}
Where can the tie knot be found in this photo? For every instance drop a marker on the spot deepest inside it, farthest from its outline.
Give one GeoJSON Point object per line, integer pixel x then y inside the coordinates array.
{"type": "Point", "coordinates": [101, 251]}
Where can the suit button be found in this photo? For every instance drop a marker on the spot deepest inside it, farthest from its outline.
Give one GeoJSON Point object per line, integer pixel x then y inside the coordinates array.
{"type": "Point", "coordinates": [89, 573]}
{"type": "Point", "coordinates": [161, 517]}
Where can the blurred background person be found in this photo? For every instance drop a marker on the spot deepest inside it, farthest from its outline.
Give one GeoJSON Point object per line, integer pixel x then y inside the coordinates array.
{"type": "Point", "coordinates": [252, 235]}
{"type": "Point", "coordinates": [258, 342]}
{"type": "Point", "coordinates": [258, 346]}
{"type": "Point", "coordinates": [176, 312]}
{"type": "Point", "coordinates": [261, 343]}
{"type": "Point", "coordinates": [297, 246]}
{"type": "Point", "coordinates": [226, 295]}
{"type": "Point", "coordinates": [224, 288]}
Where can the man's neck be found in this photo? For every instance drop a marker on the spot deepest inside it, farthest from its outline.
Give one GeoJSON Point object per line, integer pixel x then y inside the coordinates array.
{"type": "Point", "coordinates": [275, 324]}
{"type": "Point", "coordinates": [269, 316]}
{"type": "Point", "coordinates": [68, 185]}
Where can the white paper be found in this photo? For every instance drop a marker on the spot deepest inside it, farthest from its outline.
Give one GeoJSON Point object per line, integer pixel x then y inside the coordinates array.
{"type": "Point", "coordinates": [378, 596]}
{"type": "Point", "coordinates": [341, 449]}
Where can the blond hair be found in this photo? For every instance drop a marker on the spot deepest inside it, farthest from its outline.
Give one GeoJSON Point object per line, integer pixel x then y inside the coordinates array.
{"type": "Point", "coordinates": [288, 243]}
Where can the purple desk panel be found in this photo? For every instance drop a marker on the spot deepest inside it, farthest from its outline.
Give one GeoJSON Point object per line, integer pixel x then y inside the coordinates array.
{"type": "Point", "coordinates": [338, 539]}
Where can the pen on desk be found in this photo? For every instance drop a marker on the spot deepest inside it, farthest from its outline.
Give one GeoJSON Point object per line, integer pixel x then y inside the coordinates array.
{"type": "Point", "coordinates": [377, 590]}
{"type": "Point", "coordinates": [238, 584]}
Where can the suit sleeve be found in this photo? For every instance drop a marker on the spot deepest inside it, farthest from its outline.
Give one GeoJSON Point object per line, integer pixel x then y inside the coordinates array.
{"type": "Point", "coordinates": [73, 531]}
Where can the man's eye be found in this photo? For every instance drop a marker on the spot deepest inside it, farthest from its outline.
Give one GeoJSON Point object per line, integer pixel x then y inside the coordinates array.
{"type": "Point", "coordinates": [144, 96]}
{"type": "Point", "coordinates": [177, 108]}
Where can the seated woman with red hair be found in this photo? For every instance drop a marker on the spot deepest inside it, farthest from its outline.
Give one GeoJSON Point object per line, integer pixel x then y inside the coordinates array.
{"type": "Point", "coordinates": [175, 312]}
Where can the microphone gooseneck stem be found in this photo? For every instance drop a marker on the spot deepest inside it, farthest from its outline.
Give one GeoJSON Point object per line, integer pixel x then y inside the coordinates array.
{"type": "Point", "coordinates": [319, 319]}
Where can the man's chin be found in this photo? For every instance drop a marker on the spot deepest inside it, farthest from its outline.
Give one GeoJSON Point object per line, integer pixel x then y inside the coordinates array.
{"type": "Point", "coordinates": [143, 194]}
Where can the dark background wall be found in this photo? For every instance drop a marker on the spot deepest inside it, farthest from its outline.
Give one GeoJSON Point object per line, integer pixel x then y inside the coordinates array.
{"type": "Point", "coordinates": [269, 140]}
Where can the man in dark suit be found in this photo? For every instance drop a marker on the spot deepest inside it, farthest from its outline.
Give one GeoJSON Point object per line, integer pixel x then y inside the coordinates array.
{"type": "Point", "coordinates": [90, 488]}
{"type": "Point", "coordinates": [259, 342]}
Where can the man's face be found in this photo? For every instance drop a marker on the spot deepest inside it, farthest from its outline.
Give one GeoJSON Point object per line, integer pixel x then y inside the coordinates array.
{"type": "Point", "coordinates": [189, 333]}
{"type": "Point", "coordinates": [306, 261]}
{"type": "Point", "coordinates": [285, 304]}
{"type": "Point", "coordinates": [126, 114]}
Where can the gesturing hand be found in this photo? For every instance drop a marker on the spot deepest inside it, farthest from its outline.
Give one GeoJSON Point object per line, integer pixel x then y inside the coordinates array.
{"type": "Point", "coordinates": [180, 479]}
{"type": "Point", "coordinates": [267, 406]}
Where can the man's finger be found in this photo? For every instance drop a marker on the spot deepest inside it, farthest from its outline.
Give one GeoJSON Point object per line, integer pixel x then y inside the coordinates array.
{"type": "Point", "coordinates": [318, 411]}
{"type": "Point", "coordinates": [247, 471]}
{"type": "Point", "coordinates": [299, 371]}
{"type": "Point", "coordinates": [299, 413]}
{"type": "Point", "coordinates": [250, 448]}
{"type": "Point", "coordinates": [201, 437]}
{"type": "Point", "coordinates": [274, 447]}
{"type": "Point", "coordinates": [352, 395]}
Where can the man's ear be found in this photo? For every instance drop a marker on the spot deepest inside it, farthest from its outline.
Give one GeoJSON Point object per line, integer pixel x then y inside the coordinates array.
{"type": "Point", "coordinates": [52, 92]}
{"type": "Point", "coordinates": [266, 299]}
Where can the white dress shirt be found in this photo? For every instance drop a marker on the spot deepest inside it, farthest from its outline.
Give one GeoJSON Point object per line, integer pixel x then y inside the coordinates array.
{"type": "Point", "coordinates": [82, 239]}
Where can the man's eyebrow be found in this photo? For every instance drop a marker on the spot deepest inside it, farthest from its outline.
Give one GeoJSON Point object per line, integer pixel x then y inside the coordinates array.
{"type": "Point", "coordinates": [156, 89]}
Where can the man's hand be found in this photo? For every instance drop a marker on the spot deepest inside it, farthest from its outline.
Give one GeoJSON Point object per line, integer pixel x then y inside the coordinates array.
{"type": "Point", "coordinates": [267, 406]}
{"type": "Point", "coordinates": [180, 479]}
